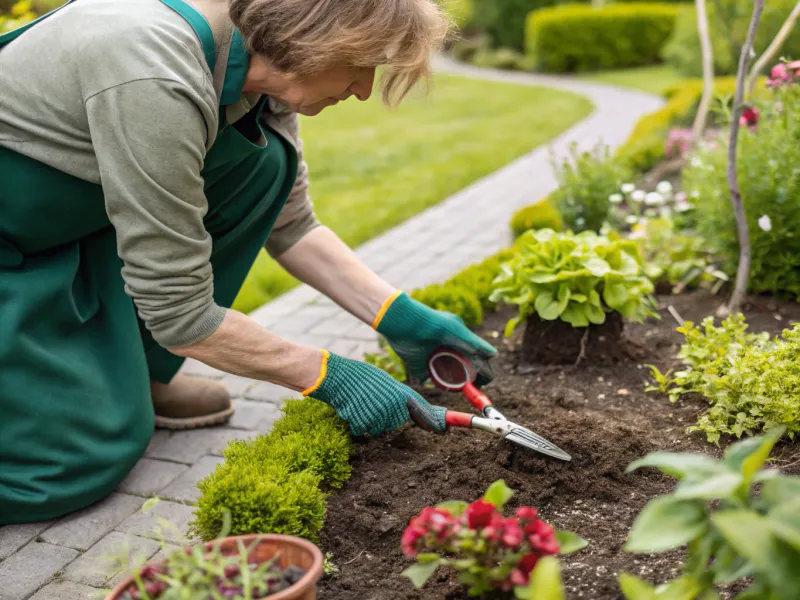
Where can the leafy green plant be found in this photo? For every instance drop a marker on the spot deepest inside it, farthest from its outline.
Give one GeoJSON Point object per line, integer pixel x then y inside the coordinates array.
{"type": "Point", "coordinates": [751, 382]}
{"type": "Point", "coordinates": [490, 551]}
{"type": "Point", "coordinates": [734, 534]}
{"type": "Point", "coordinates": [460, 301]}
{"type": "Point", "coordinates": [575, 38]}
{"type": "Point", "coordinates": [504, 20]}
{"type": "Point", "coordinates": [769, 182]}
{"type": "Point", "coordinates": [585, 181]}
{"type": "Point", "coordinates": [575, 278]}
{"type": "Point", "coordinates": [387, 360]}
{"type": "Point", "coordinates": [278, 482]}
{"type": "Point", "coordinates": [542, 215]}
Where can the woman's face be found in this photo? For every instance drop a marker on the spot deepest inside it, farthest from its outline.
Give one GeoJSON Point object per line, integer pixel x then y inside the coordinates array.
{"type": "Point", "coordinates": [311, 95]}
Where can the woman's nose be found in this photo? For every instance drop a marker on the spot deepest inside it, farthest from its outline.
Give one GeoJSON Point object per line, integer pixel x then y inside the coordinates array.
{"type": "Point", "coordinates": [362, 86]}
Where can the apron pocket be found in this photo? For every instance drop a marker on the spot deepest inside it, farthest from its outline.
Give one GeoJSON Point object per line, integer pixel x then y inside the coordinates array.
{"type": "Point", "coordinates": [85, 301]}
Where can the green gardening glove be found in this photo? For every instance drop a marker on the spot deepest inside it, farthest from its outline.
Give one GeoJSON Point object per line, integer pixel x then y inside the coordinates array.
{"type": "Point", "coordinates": [369, 399]}
{"type": "Point", "coordinates": [414, 330]}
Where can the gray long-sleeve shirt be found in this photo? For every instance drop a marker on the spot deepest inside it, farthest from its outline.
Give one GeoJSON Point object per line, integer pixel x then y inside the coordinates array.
{"type": "Point", "coordinates": [118, 93]}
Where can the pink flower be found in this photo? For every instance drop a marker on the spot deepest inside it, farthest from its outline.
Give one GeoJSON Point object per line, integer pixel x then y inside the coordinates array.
{"type": "Point", "coordinates": [526, 513]}
{"type": "Point", "coordinates": [411, 537]}
{"type": "Point", "coordinates": [749, 117]}
{"type": "Point", "coordinates": [794, 67]}
{"type": "Point", "coordinates": [512, 534]}
{"type": "Point", "coordinates": [541, 537]}
{"type": "Point", "coordinates": [479, 514]}
{"type": "Point", "coordinates": [678, 138]}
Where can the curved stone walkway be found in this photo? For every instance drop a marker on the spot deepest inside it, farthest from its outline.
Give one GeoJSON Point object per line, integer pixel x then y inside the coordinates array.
{"type": "Point", "coordinates": [64, 559]}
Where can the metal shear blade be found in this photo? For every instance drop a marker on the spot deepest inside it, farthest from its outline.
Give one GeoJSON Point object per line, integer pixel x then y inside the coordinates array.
{"type": "Point", "coordinates": [520, 435]}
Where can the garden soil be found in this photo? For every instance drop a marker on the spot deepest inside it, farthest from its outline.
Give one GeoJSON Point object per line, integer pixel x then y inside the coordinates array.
{"type": "Point", "coordinates": [601, 415]}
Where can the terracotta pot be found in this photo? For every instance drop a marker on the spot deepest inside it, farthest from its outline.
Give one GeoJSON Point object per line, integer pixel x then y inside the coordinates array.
{"type": "Point", "coordinates": [294, 551]}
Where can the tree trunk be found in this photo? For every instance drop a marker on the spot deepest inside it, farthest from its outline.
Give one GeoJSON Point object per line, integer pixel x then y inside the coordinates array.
{"type": "Point", "coordinates": [708, 71]}
{"type": "Point", "coordinates": [769, 54]}
{"type": "Point", "coordinates": [743, 272]}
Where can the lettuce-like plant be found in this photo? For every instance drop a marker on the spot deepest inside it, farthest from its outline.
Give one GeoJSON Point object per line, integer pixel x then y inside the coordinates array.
{"type": "Point", "coordinates": [734, 534]}
{"type": "Point", "coordinates": [575, 278]}
{"type": "Point", "coordinates": [490, 551]}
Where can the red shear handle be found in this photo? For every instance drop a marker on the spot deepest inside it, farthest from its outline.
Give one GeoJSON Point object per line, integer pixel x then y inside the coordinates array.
{"type": "Point", "coordinates": [457, 419]}
{"type": "Point", "coordinates": [477, 398]}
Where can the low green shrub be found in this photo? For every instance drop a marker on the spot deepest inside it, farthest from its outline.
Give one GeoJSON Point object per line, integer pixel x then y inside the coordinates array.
{"type": "Point", "coordinates": [574, 278]}
{"type": "Point", "coordinates": [478, 278]}
{"type": "Point", "coordinates": [737, 520]}
{"type": "Point", "coordinates": [387, 360]}
{"type": "Point", "coordinates": [577, 38]}
{"type": "Point", "coordinates": [728, 22]}
{"type": "Point", "coordinates": [585, 181]}
{"type": "Point", "coordinates": [542, 215]}
{"type": "Point", "coordinates": [458, 300]}
{"type": "Point", "coordinates": [501, 58]}
{"type": "Point", "coordinates": [276, 483]}
{"type": "Point", "coordinates": [751, 382]}
{"type": "Point", "coordinates": [504, 20]}
{"type": "Point", "coordinates": [770, 185]}
{"type": "Point", "coordinates": [262, 498]}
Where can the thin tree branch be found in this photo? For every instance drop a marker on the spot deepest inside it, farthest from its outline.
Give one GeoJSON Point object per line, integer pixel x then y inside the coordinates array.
{"type": "Point", "coordinates": [706, 51]}
{"type": "Point", "coordinates": [743, 272]}
{"type": "Point", "coordinates": [769, 54]}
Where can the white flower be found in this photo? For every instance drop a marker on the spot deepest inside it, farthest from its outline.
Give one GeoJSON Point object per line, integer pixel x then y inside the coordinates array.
{"type": "Point", "coordinates": [637, 234]}
{"type": "Point", "coordinates": [666, 212]}
{"type": "Point", "coordinates": [615, 198]}
{"type": "Point", "coordinates": [580, 221]}
{"type": "Point", "coordinates": [765, 223]}
{"type": "Point", "coordinates": [696, 162]}
{"type": "Point", "coordinates": [631, 219]}
{"type": "Point", "coordinates": [651, 212]}
{"type": "Point", "coordinates": [627, 188]}
{"type": "Point", "coordinates": [683, 206]}
{"type": "Point", "coordinates": [654, 199]}
{"type": "Point", "coordinates": [680, 197]}
{"type": "Point", "coordinates": [695, 194]}
{"type": "Point", "coordinates": [664, 187]}
{"type": "Point", "coordinates": [638, 196]}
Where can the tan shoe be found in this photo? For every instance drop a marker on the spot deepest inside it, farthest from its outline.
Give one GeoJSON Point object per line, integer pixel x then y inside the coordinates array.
{"type": "Point", "coordinates": [189, 402]}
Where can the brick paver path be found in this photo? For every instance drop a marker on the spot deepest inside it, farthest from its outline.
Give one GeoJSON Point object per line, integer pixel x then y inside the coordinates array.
{"type": "Point", "coordinates": [63, 559]}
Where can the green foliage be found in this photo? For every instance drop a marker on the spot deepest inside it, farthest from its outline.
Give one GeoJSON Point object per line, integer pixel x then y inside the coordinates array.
{"type": "Point", "coordinates": [19, 14]}
{"type": "Point", "coordinates": [460, 11]}
{"type": "Point", "coordinates": [458, 300]}
{"type": "Point", "coordinates": [274, 484]}
{"type": "Point", "coordinates": [545, 583]}
{"type": "Point", "coordinates": [734, 535]}
{"type": "Point", "coordinates": [769, 181]}
{"type": "Point", "coordinates": [501, 58]}
{"type": "Point", "coordinates": [387, 360]}
{"type": "Point", "coordinates": [577, 38]}
{"type": "Point", "coordinates": [728, 22]}
{"type": "Point", "coordinates": [504, 20]}
{"type": "Point", "coordinates": [751, 382]}
{"type": "Point", "coordinates": [585, 181]}
{"type": "Point", "coordinates": [644, 147]}
{"type": "Point", "coordinates": [575, 278]}
{"type": "Point", "coordinates": [478, 278]}
{"type": "Point", "coordinates": [542, 215]}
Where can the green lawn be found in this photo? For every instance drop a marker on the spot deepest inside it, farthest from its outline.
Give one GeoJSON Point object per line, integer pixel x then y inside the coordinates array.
{"type": "Point", "coordinates": [372, 168]}
{"type": "Point", "coordinates": [654, 79]}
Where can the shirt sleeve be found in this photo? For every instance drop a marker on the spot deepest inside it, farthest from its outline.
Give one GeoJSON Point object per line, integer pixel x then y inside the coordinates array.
{"type": "Point", "coordinates": [150, 137]}
{"type": "Point", "coordinates": [297, 217]}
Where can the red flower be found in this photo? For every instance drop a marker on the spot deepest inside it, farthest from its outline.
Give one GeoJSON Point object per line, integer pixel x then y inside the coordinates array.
{"type": "Point", "coordinates": [749, 117]}
{"type": "Point", "coordinates": [512, 534]}
{"type": "Point", "coordinates": [479, 514]}
{"type": "Point", "coordinates": [541, 537]}
{"type": "Point", "coordinates": [411, 536]}
{"type": "Point", "coordinates": [521, 574]}
{"type": "Point", "coordinates": [494, 529]}
{"type": "Point", "coordinates": [779, 74]}
{"type": "Point", "coordinates": [526, 513]}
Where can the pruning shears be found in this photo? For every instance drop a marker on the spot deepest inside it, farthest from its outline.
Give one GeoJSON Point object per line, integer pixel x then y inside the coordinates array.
{"type": "Point", "coordinates": [452, 372]}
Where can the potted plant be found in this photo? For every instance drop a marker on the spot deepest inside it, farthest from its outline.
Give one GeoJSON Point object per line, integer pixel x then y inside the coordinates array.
{"type": "Point", "coordinates": [278, 567]}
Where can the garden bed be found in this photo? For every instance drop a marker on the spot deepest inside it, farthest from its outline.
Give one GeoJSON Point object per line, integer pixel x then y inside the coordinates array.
{"type": "Point", "coordinates": [601, 415]}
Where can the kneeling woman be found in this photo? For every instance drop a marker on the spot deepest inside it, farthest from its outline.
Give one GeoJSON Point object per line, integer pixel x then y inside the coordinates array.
{"type": "Point", "coordinates": [148, 151]}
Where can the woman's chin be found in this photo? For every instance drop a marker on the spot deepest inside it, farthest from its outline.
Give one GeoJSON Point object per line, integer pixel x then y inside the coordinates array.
{"type": "Point", "coordinates": [313, 110]}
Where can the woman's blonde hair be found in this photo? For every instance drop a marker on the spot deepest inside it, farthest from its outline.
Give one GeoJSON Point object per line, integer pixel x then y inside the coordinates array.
{"type": "Point", "coordinates": [303, 37]}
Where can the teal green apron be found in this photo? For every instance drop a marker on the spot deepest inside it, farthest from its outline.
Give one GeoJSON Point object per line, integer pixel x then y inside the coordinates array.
{"type": "Point", "coordinates": [75, 361]}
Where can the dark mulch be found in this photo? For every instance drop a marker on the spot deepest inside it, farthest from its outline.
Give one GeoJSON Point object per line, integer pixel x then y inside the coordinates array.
{"type": "Point", "coordinates": [601, 415]}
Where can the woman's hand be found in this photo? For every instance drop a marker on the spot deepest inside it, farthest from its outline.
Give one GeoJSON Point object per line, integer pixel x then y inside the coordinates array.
{"type": "Point", "coordinates": [366, 397]}
{"type": "Point", "coordinates": [414, 331]}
